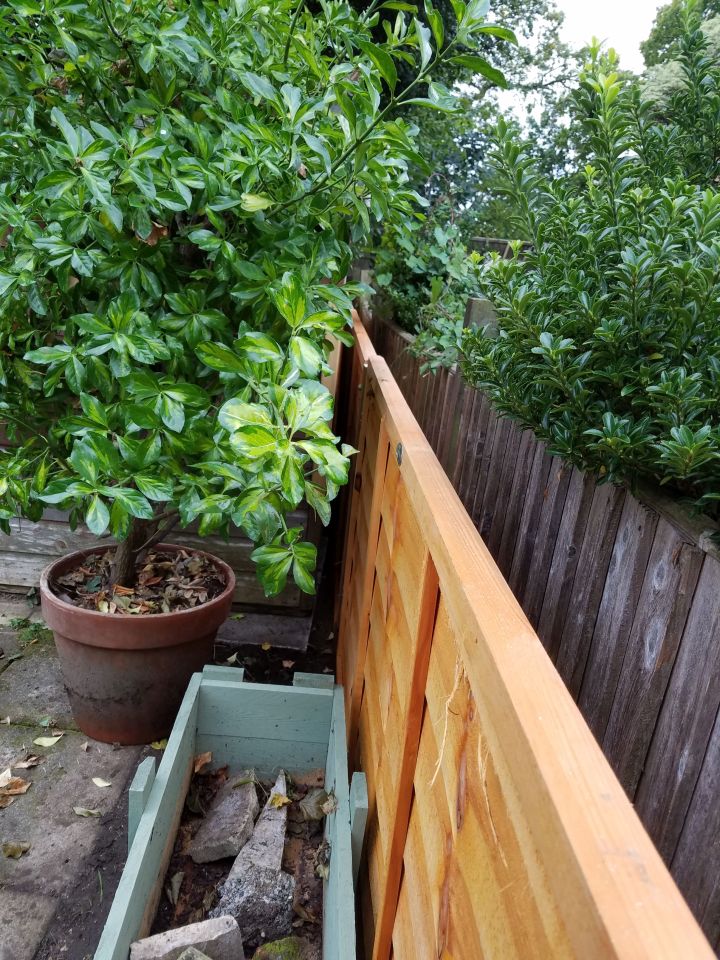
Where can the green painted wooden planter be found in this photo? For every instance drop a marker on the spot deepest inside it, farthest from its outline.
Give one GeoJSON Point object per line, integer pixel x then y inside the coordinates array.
{"type": "Point", "coordinates": [265, 726]}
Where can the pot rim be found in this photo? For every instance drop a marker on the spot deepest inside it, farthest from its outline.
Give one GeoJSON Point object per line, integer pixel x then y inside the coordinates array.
{"type": "Point", "coordinates": [50, 596]}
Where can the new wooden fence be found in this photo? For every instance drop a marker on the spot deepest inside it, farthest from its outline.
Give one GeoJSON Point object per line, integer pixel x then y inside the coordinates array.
{"type": "Point", "coordinates": [625, 597]}
{"type": "Point", "coordinates": [496, 827]}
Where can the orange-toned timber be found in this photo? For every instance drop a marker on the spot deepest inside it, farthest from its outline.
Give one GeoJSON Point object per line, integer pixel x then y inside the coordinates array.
{"type": "Point", "coordinates": [496, 827]}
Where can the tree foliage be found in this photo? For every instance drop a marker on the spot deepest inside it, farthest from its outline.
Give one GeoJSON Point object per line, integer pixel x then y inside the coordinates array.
{"type": "Point", "coordinates": [609, 343]}
{"type": "Point", "coordinates": [665, 38]}
{"type": "Point", "coordinates": [181, 183]}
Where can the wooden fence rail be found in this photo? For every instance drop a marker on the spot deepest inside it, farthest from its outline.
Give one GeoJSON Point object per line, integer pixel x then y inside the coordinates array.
{"type": "Point", "coordinates": [625, 597]}
{"type": "Point", "coordinates": [496, 827]}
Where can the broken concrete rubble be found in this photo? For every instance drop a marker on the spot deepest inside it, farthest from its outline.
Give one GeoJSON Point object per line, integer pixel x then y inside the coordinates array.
{"type": "Point", "coordinates": [265, 849]}
{"type": "Point", "coordinates": [192, 954]}
{"type": "Point", "coordinates": [218, 938]}
{"type": "Point", "coordinates": [229, 821]}
{"type": "Point", "coordinates": [257, 892]}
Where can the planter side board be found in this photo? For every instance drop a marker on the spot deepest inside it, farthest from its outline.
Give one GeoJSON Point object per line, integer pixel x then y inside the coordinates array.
{"type": "Point", "coordinates": [268, 727]}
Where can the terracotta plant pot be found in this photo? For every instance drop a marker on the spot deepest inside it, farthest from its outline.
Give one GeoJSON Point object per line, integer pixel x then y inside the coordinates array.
{"type": "Point", "coordinates": [126, 675]}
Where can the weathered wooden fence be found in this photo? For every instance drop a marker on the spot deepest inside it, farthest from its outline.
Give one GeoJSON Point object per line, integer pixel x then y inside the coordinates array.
{"type": "Point", "coordinates": [496, 827]}
{"type": "Point", "coordinates": [625, 597]}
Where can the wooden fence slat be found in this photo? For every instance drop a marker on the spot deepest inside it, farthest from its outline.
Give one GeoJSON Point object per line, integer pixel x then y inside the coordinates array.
{"type": "Point", "coordinates": [554, 516]}
{"type": "Point", "coordinates": [564, 564]}
{"type": "Point", "coordinates": [518, 486]}
{"type": "Point", "coordinates": [592, 566]}
{"type": "Point", "coordinates": [700, 835]}
{"type": "Point", "coordinates": [686, 720]}
{"type": "Point", "coordinates": [665, 599]}
{"type": "Point", "coordinates": [621, 592]}
{"type": "Point", "coordinates": [527, 534]}
{"type": "Point", "coordinates": [506, 476]}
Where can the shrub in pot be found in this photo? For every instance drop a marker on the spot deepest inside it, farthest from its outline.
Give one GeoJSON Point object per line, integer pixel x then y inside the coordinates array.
{"type": "Point", "coordinates": [181, 183]}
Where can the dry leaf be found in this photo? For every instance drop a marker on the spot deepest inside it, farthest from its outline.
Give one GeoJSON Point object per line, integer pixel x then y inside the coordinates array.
{"type": "Point", "coordinates": [159, 744]}
{"type": "Point", "coordinates": [85, 746]}
{"type": "Point", "coordinates": [172, 890]}
{"type": "Point", "coordinates": [266, 646]}
{"type": "Point", "coordinates": [85, 812]}
{"type": "Point", "coordinates": [11, 786]}
{"type": "Point", "coordinates": [312, 804]}
{"type": "Point", "coordinates": [6, 720]}
{"type": "Point", "coordinates": [232, 659]}
{"type": "Point", "coordinates": [30, 761]}
{"type": "Point", "coordinates": [99, 782]}
{"type": "Point", "coordinates": [14, 849]}
{"type": "Point", "coordinates": [6, 801]}
{"type": "Point", "coordinates": [47, 741]}
{"type": "Point", "coordinates": [288, 664]}
{"type": "Point", "coordinates": [279, 800]}
{"type": "Point", "coordinates": [202, 760]}
{"type": "Point", "coordinates": [330, 805]}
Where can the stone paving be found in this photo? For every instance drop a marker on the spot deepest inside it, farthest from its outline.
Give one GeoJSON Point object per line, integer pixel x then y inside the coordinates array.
{"type": "Point", "coordinates": [47, 879]}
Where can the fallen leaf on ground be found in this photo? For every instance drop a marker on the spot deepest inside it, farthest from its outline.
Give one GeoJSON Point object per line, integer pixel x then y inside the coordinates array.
{"type": "Point", "coordinates": [30, 761]}
{"type": "Point", "coordinates": [6, 720]}
{"type": "Point", "coordinates": [159, 744]}
{"type": "Point", "coordinates": [85, 746]}
{"type": "Point", "coordinates": [232, 659]}
{"type": "Point", "coordinates": [312, 804]}
{"type": "Point", "coordinates": [266, 646]}
{"type": "Point", "coordinates": [47, 741]}
{"type": "Point", "coordinates": [85, 812]}
{"type": "Point", "coordinates": [11, 786]}
{"type": "Point", "coordinates": [172, 890]}
{"type": "Point", "coordinates": [14, 849]}
{"type": "Point", "coordinates": [46, 722]}
{"type": "Point", "coordinates": [99, 782]}
{"type": "Point", "coordinates": [202, 760]}
{"type": "Point", "coordinates": [279, 800]}
{"type": "Point", "coordinates": [236, 616]}
{"type": "Point", "coordinates": [288, 664]}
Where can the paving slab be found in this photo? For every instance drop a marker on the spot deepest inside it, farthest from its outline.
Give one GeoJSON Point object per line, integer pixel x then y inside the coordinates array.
{"type": "Point", "coordinates": [54, 899]}
{"type": "Point", "coordinates": [32, 687]}
{"type": "Point", "coordinates": [24, 918]}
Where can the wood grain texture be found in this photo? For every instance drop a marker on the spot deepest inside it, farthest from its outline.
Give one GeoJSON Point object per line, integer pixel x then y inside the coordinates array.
{"type": "Point", "coordinates": [686, 719]}
{"type": "Point", "coordinates": [520, 841]}
{"type": "Point", "coordinates": [665, 599]}
{"type": "Point", "coordinates": [592, 565]}
{"type": "Point", "coordinates": [621, 592]}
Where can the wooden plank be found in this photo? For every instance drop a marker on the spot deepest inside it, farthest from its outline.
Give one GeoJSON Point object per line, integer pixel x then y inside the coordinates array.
{"type": "Point", "coordinates": [688, 714]}
{"type": "Point", "coordinates": [532, 508]}
{"type": "Point", "coordinates": [266, 711]}
{"type": "Point", "coordinates": [665, 599]}
{"type": "Point", "coordinates": [592, 566]}
{"type": "Point", "coordinates": [483, 511]}
{"type": "Point", "coordinates": [338, 894]}
{"type": "Point", "coordinates": [358, 819]}
{"type": "Point", "coordinates": [555, 514]}
{"type": "Point", "coordinates": [566, 553]}
{"type": "Point", "coordinates": [463, 437]}
{"type": "Point", "coordinates": [621, 591]}
{"type": "Point", "coordinates": [406, 760]}
{"type": "Point", "coordinates": [266, 757]}
{"type": "Point", "coordinates": [701, 830]}
{"type": "Point", "coordinates": [511, 511]}
{"type": "Point", "coordinates": [506, 472]}
{"type": "Point", "coordinates": [477, 453]}
{"type": "Point", "coordinates": [138, 893]}
{"type": "Point", "coordinates": [138, 794]}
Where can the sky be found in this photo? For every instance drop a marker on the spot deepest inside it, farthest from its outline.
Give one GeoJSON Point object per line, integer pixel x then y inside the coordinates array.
{"type": "Point", "coordinates": [622, 23]}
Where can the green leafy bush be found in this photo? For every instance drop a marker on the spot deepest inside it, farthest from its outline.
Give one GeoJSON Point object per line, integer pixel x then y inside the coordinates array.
{"type": "Point", "coordinates": [609, 343]}
{"type": "Point", "coordinates": [180, 185]}
{"type": "Point", "coordinates": [424, 276]}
